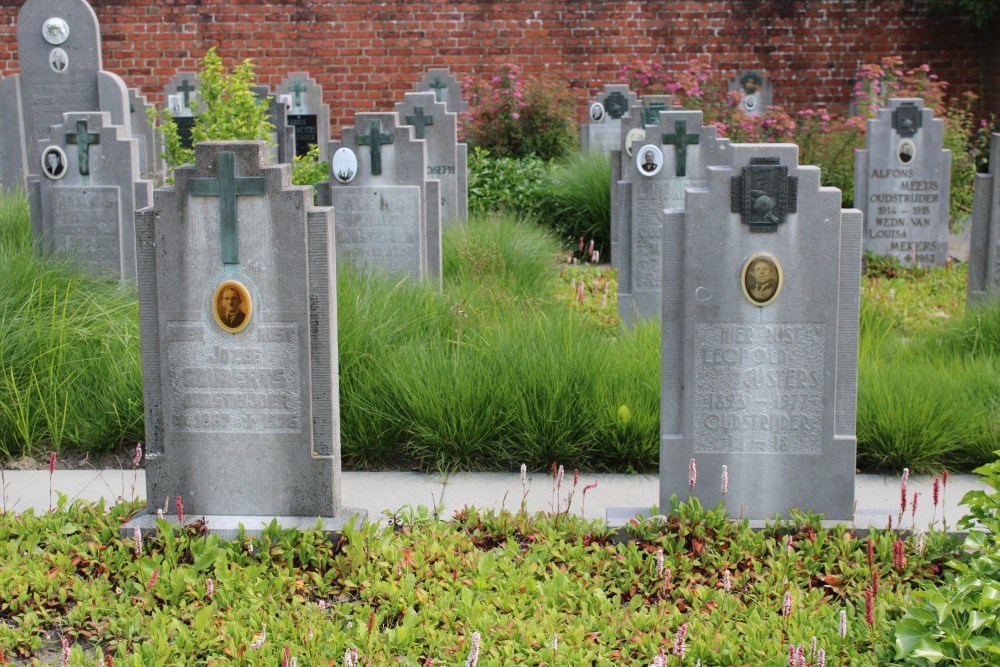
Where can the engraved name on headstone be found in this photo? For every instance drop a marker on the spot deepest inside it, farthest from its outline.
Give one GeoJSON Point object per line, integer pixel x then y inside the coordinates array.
{"type": "Point", "coordinates": [446, 158]}
{"type": "Point", "coordinates": [760, 335]}
{"type": "Point", "coordinates": [237, 298]}
{"type": "Point", "coordinates": [308, 114]}
{"type": "Point", "coordinates": [59, 54]}
{"type": "Point", "coordinates": [84, 202]}
{"type": "Point", "coordinates": [902, 182]}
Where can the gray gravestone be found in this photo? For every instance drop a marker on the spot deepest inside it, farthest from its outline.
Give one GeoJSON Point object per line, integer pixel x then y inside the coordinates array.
{"type": "Point", "coordinates": [83, 203]}
{"type": "Point", "coordinates": [150, 147]}
{"type": "Point", "coordinates": [902, 182]}
{"type": "Point", "coordinates": [181, 98]}
{"type": "Point", "coordinates": [683, 150]}
{"type": "Point", "coordinates": [388, 212]}
{"type": "Point", "coordinates": [632, 133]}
{"type": "Point", "coordinates": [603, 130]}
{"type": "Point", "coordinates": [755, 93]}
{"type": "Point", "coordinates": [761, 286]}
{"type": "Point", "coordinates": [307, 113]}
{"type": "Point", "coordinates": [59, 51]}
{"type": "Point", "coordinates": [432, 122]}
{"type": "Point", "coordinates": [283, 134]}
{"type": "Point", "coordinates": [446, 88]}
{"type": "Point", "coordinates": [984, 243]}
{"type": "Point", "coordinates": [237, 298]}
{"type": "Point", "coordinates": [652, 105]}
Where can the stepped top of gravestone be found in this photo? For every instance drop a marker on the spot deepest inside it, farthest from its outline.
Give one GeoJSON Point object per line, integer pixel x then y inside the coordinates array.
{"type": "Point", "coordinates": [306, 95]}
{"type": "Point", "coordinates": [185, 85]}
{"type": "Point", "coordinates": [446, 88]}
{"type": "Point", "coordinates": [652, 105]}
{"type": "Point", "coordinates": [58, 41]}
{"type": "Point", "coordinates": [421, 110]}
{"type": "Point", "coordinates": [383, 152]}
{"type": "Point", "coordinates": [614, 102]}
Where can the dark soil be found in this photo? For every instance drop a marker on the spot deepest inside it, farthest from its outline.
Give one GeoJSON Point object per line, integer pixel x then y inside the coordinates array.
{"type": "Point", "coordinates": [121, 458]}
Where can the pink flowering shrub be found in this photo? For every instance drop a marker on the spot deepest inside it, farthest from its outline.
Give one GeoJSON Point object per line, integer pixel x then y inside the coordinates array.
{"type": "Point", "coordinates": [511, 115]}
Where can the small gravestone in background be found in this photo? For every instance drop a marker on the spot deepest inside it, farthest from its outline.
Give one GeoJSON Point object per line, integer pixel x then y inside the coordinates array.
{"type": "Point", "coordinates": [902, 183]}
{"type": "Point", "coordinates": [652, 105]}
{"type": "Point", "coordinates": [283, 134]}
{"type": "Point", "coordinates": [761, 291]}
{"type": "Point", "coordinates": [984, 243]}
{"type": "Point", "coordinates": [59, 51]}
{"type": "Point", "coordinates": [603, 130]}
{"type": "Point", "coordinates": [675, 154]}
{"type": "Point", "coordinates": [237, 311]}
{"type": "Point", "coordinates": [447, 160]}
{"type": "Point", "coordinates": [446, 88]}
{"type": "Point", "coordinates": [150, 146]}
{"type": "Point", "coordinates": [755, 93]}
{"type": "Point", "coordinates": [307, 113]}
{"type": "Point", "coordinates": [388, 212]}
{"type": "Point", "coordinates": [181, 96]}
{"type": "Point", "coordinates": [83, 204]}
{"type": "Point", "coordinates": [631, 132]}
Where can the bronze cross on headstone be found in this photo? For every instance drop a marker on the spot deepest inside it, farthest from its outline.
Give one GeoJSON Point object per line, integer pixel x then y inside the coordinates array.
{"type": "Point", "coordinates": [298, 89]}
{"type": "Point", "coordinates": [681, 141]}
{"type": "Point", "coordinates": [419, 121]}
{"type": "Point", "coordinates": [83, 141]}
{"type": "Point", "coordinates": [376, 140]}
{"type": "Point", "coordinates": [439, 87]}
{"type": "Point", "coordinates": [184, 89]}
{"type": "Point", "coordinates": [227, 187]}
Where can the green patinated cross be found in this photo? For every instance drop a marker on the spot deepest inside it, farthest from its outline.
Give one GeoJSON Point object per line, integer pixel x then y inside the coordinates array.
{"type": "Point", "coordinates": [419, 121]}
{"type": "Point", "coordinates": [184, 89]}
{"type": "Point", "coordinates": [83, 141]}
{"type": "Point", "coordinates": [227, 187]}
{"type": "Point", "coordinates": [376, 140]}
{"type": "Point", "coordinates": [298, 89]}
{"type": "Point", "coordinates": [681, 141]}
{"type": "Point", "coordinates": [439, 87]}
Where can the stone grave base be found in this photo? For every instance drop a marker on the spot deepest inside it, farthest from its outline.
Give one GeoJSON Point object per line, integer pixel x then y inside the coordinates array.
{"type": "Point", "coordinates": [227, 527]}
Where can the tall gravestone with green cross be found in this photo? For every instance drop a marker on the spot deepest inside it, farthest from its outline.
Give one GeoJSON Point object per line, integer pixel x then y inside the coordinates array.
{"type": "Point", "coordinates": [672, 156]}
{"type": "Point", "coordinates": [603, 130]}
{"type": "Point", "coordinates": [388, 210]}
{"type": "Point", "coordinates": [447, 159]}
{"type": "Point", "coordinates": [307, 112]}
{"type": "Point", "coordinates": [237, 312]}
{"type": "Point", "coordinates": [59, 54]}
{"type": "Point", "coordinates": [83, 203]}
{"type": "Point", "coordinates": [446, 88]}
{"type": "Point", "coordinates": [283, 134]}
{"type": "Point", "coordinates": [181, 97]}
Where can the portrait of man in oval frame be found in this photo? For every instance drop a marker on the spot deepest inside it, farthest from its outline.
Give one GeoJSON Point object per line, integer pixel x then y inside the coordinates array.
{"type": "Point", "coordinates": [232, 306]}
{"type": "Point", "coordinates": [761, 279]}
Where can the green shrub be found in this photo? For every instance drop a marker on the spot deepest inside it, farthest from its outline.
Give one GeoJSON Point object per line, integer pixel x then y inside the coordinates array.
{"type": "Point", "coordinates": [506, 184]}
{"type": "Point", "coordinates": [513, 116]}
{"type": "Point", "coordinates": [580, 200]}
{"type": "Point", "coordinates": [308, 169]}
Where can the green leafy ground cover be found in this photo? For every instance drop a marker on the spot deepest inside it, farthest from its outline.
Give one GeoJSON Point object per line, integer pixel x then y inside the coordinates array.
{"type": "Point", "coordinates": [542, 589]}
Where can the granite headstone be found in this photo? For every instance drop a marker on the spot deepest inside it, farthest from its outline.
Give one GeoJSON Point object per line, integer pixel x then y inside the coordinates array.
{"type": "Point", "coordinates": [150, 147]}
{"type": "Point", "coordinates": [902, 182]}
{"type": "Point", "coordinates": [83, 203]}
{"type": "Point", "coordinates": [984, 242]}
{"type": "Point", "coordinates": [446, 88]}
{"type": "Point", "coordinates": [237, 311]}
{"type": "Point", "coordinates": [603, 129]}
{"type": "Point", "coordinates": [283, 134]}
{"type": "Point", "coordinates": [181, 97]}
{"type": "Point", "coordinates": [308, 114]}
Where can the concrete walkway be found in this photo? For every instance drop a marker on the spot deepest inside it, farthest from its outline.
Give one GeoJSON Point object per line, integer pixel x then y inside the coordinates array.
{"type": "Point", "coordinates": [877, 497]}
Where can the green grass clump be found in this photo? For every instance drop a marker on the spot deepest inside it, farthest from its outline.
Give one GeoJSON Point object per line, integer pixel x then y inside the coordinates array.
{"type": "Point", "coordinates": [580, 192]}
{"type": "Point", "coordinates": [69, 350]}
{"type": "Point", "coordinates": [536, 588]}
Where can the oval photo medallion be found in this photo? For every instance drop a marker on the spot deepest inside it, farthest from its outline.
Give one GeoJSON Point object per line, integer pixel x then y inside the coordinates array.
{"type": "Point", "coordinates": [345, 165]}
{"type": "Point", "coordinates": [596, 112]}
{"type": "Point", "coordinates": [634, 135]}
{"type": "Point", "coordinates": [906, 151]}
{"type": "Point", "coordinates": [58, 60]}
{"type": "Point", "coordinates": [55, 31]}
{"type": "Point", "coordinates": [761, 279]}
{"type": "Point", "coordinates": [649, 160]}
{"type": "Point", "coordinates": [54, 162]}
{"type": "Point", "coordinates": [232, 306]}
{"type": "Point", "coordinates": [750, 102]}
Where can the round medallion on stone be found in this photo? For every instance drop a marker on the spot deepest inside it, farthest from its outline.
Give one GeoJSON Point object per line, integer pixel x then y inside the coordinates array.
{"type": "Point", "coordinates": [58, 60]}
{"type": "Point", "coordinates": [634, 135]}
{"type": "Point", "coordinates": [596, 112]}
{"type": "Point", "coordinates": [54, 162]}
{"type": "Point", "coordinates": [345, 165]}
{"type": "Point", "coordinates": [750, 102]}
{"type": "Point", "coordinates": [649, 160]}
{"type": "Point", "coordinates": [231, 306]}
{"type": "Point", "coordinates": [761, 279]}
{"type": "Point", "coordinates": [906, 151]}
{"type": "Point", "coordinates": [55, 31]}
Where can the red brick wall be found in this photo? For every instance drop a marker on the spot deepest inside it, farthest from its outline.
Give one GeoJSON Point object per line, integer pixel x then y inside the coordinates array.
{"type": "Point", "coordinates": [366, 54]}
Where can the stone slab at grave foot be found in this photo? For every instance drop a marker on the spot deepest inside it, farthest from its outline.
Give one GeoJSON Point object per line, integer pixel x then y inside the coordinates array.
{"type": "Point", "coordinates": [237, 298]}
{"type": "Point", "coordinates": [761, 284]}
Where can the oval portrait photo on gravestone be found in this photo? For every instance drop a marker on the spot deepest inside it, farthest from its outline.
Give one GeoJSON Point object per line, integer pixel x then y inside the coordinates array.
{"type": "Point", "coordinates": [345, 165]}
{"type": "Point", "coordinates": [58, 60]}
{"type": "Point", "coordinates": [649, 160]}
{"type": "Point", "coordinates": [54, 162]}
{"type": "Point", "coordinates": [634, 135]}
{"type": "Point", "coordinates": [761, 279]}
{"type": "Point", "coordinates": [232, 306]}
{"type": "Point", "coordinates": [906, 151]}
{"type": "Point", "coordinates": [596, 112]}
